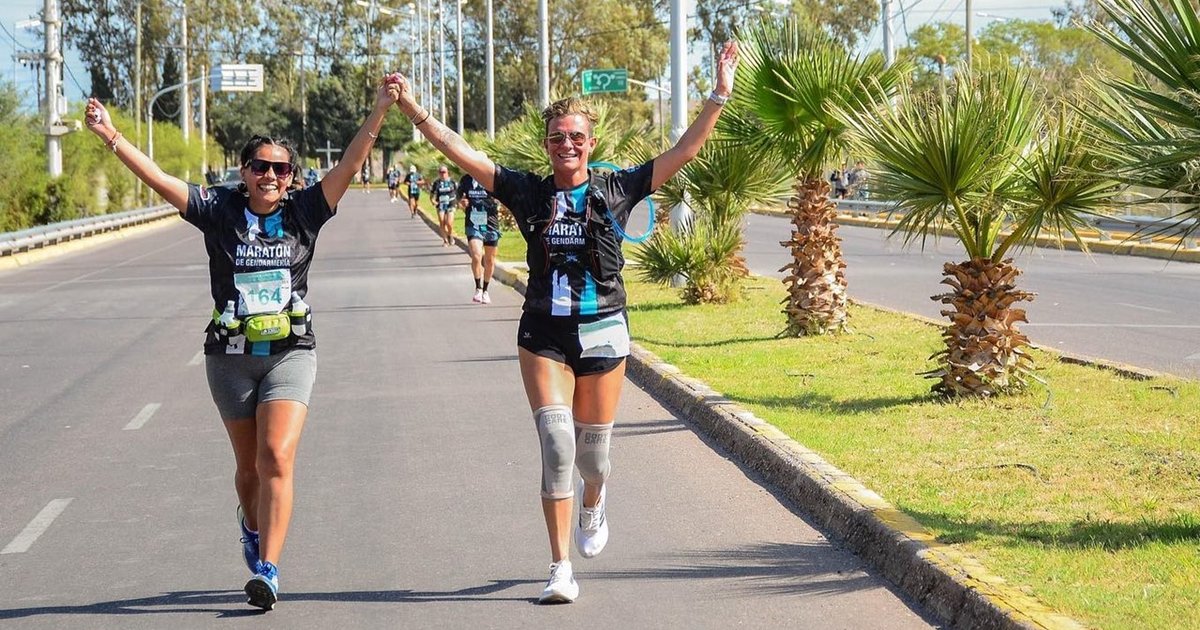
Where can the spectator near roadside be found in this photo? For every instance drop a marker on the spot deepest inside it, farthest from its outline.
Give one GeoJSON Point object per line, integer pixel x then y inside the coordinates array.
{"type": "Point", "coordinates": [859, 181]}
{"type": "Point", "coordinates": [839, 180]}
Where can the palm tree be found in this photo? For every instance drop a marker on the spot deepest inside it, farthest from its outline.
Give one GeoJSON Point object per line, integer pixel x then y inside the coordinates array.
{"type": "Point", "coordinates": [719, 185]}
{"type": "Point", "coordinates": [985, 163]}
{"type": "Point", "coordinates": [1152, 122]}
{"type": "Point", "coordinates": [790, 81]}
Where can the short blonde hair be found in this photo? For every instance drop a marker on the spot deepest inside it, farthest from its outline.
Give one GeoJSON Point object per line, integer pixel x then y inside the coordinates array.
{"type": "Point", "coordinates": [567, 107]}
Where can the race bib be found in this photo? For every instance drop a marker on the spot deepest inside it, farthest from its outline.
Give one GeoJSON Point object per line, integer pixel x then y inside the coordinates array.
{"type": "Point", "coordinates": [264, 291]}
{"type": "Point", "coordinates": [479, 219]}
{"type": "Point", "coordinates": [607, 338]}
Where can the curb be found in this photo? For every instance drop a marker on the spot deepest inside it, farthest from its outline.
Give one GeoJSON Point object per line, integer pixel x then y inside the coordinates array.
{"type": "Point", "coordinates": [955, 588]}
{"type": "Point", "coordinates": [1094, 245]}
{"type": "Point", "coordinates": [47, 252]}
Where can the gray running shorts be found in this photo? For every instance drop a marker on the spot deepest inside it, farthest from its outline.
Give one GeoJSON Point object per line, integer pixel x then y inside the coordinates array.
{"type": "Point", "coordinates": [239, 382]}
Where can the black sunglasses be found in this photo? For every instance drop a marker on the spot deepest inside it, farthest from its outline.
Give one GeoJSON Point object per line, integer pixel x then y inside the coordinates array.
{"type": "Point", "coordinates": [260, 167]}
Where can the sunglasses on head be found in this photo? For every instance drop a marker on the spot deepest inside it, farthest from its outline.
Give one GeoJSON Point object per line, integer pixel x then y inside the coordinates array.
{"type": "Point", "coordinates": [260, 167]}
{"type": "Point", "coordinates": [577, 137]}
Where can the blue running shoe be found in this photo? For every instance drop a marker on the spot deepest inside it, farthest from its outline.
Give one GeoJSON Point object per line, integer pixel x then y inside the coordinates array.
{"type": "Point", "coordinates": [249, 543]}
{"type": "Point", "coordinates": [263, 589]}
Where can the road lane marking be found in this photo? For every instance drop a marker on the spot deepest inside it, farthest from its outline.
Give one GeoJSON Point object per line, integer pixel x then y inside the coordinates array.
{"type": "Point", "coordinates": [1144, 308]}
{"type": "Point", "coordinates": [110, 267]}
{"type": "Point", "coordinates": [198, 359]}
{"type": "Point", "coordinates": [1194, 357]}
{"type": "Point", "coordinates": [36, 527]}
{"type": "Point", "coordinates": [142, 417]}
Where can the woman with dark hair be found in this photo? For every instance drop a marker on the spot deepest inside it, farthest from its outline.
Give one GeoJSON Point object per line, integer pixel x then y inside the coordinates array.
{"type": "Point", "coordinates": [573, 336]}
{"type": "Point", "coordinates": [259, 352]}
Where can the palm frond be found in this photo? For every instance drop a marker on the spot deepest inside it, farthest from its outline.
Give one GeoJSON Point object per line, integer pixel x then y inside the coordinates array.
{"type": "Point", "coordinates": [952, 160]}
{"type": "Point", "coordinates": [1067, 179]}
{"type": "Point", "coordinates": [790, 80]}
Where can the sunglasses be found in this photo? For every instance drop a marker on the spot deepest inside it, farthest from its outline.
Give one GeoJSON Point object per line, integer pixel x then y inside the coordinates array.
{"type": "Point", "coordinates": [260, 167]}
{"type": "Point", "coordinates": [577, 137]}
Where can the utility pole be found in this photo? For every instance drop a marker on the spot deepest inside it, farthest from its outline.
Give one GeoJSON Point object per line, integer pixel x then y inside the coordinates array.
{"type": "Point", "coordinates": [137, 79]}
{"type": "Point", "coordinates": [459, 44]}
{"type": "Point", "coordinates": [204, 122]}
{"type": "Point", "coordinates": [889, 46]}
{"type": "Point", "coordinates": [544, 54]}
{"type": "Point", "coordinates": [491, 77]}
{"type": "Point", "coordinates": [441, 6]}
{"type": "Point", "coordinates": [185, 102]}
{"type": "Point", "coordinates": [680, 214]}
{"type": "Point", "coordinates": [969, 14]}
{"type": "Point", "coordinates": [53, 118]}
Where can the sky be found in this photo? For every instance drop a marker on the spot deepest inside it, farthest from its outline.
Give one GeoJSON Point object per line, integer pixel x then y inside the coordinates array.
{"type": "Point", "coordinates": [915, 13]}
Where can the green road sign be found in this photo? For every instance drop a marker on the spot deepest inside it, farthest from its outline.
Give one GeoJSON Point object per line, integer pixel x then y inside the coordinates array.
{"type": "Point", "coordinates": [605, 81]}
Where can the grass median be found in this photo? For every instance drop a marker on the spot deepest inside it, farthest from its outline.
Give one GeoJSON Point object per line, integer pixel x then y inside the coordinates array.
{"type": "Point", "coordinates": [1084, 493]}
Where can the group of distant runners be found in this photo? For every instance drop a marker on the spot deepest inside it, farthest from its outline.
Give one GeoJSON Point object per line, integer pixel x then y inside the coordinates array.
{"type": "Point", "coordinates": [572, 339]}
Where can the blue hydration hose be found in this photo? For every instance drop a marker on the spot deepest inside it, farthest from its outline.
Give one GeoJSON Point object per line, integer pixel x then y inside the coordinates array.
{"type": "Point", "coordinates": [617, 226]}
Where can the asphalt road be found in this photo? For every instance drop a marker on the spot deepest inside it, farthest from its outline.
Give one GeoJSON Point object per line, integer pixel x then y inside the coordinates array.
{"type": "Point", "coordinates": [1122, 308]}
{"type": "Point", "coordinates": [417, 477]}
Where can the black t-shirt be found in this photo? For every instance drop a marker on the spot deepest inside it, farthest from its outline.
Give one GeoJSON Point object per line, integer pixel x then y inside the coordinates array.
{"type": "Point", "coordinates": [443, 191]}
{"type": "Point", "coordinates": [267, 255]}
{"type": "Point", "coordinates": [414, 187]}
{"type": "Point", "coordinates": [482, 212]}
{"type": "Point", "coordinates": [554, 222]}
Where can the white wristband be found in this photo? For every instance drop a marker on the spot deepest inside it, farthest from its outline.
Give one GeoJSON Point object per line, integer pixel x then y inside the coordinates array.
{"type": "Point", "coordinates": [717, 98]}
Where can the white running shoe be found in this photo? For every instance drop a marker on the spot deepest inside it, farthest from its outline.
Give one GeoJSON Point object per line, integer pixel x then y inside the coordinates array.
{"type": "Point", "coordinates": [591, 530]}
{"type": "Point", "coordinates": [478, 299]}
{"type": "Point", "coordinates": [562, 587]}
{"type": "Point", "coordinates": [485, 298]}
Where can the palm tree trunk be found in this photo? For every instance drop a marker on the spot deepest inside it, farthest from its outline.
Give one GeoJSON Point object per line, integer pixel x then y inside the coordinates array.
{"type": "Point", "coordinates": [816, 280]}
{"type": "Point", "coordinates": [985, 353]}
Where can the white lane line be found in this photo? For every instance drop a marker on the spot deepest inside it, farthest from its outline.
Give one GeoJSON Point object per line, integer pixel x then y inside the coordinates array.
{"type": "Point", "coordinates": [198, 359]}
{"type": "Point", "coordinates": [120, 264]}
{"type": "Point", "coordinates": [142, 417]}
{"type": "Point", "coordinates": [1194, 357]}
{"type": "Point", "coordinates": [36, 527]}
{"type": "Point", "coordinates": [1144, 308]}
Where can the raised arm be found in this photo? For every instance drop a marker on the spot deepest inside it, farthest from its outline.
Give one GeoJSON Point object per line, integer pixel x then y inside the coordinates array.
{"type": "Point", "coordinates": [173, 189]}
{"type": "Point", "coordinates": [673, 159]}
{"type": "Point", "coordinates": [339, 178]}
{"type": "Point", "coordinates": [452, 145]}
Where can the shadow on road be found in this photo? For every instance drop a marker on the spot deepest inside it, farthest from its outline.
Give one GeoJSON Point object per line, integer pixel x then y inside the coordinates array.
{"type": "Point", "coordinates": [217, 602]}
{"type": "Point", "coordinates": [766, 569]}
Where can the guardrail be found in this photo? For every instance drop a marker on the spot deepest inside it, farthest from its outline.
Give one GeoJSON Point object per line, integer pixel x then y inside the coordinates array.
{"type": "Point", "coordinates": [41, 236]}
{"type": "Point", "coordinates": [1142, 228]}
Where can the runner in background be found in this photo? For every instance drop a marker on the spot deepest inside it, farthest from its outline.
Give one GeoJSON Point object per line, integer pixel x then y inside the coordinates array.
{"type": "Point", "coordinates": [393, 183]}
{"type": "Point", "coordinates": [483, 233]}
{"type": "Point", "coordinates": [414, 182]}
{"type": "Point", "coordinates": [442, 192]}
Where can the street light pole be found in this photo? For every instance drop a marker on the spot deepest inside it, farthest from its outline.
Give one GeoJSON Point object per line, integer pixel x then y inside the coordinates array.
{"type": "Point", "coordinates": [459, 45]}
{"type": "Point", "coordinates": [543, 54]}
{"type": "Point", "coordinates": [889, 48]}
{"type": "Point", "coordinates": [491, 77]}
{"type": "Point", "coordinates": [185, 103]}
{"type": "Point", "coordinates": [969, 14]}
{"type": "Point", "coordinates": [441, 7]}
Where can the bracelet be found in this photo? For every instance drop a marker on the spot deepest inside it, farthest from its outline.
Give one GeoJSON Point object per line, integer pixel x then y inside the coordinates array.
{"type": "Point", "coordinates": [418, 124]}
{"type": "Point", "coordinates": [717, 98]}
{"type": "Point", "coordinates": [373, 136]}
{"type": "Point", "coordinates": [112, 144]}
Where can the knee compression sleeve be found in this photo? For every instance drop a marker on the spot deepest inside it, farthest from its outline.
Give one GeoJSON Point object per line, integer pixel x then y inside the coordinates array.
{"type": "Point", "coordinates": [555, 428]}
{"type": "Point", "coordinates": [591, 451]}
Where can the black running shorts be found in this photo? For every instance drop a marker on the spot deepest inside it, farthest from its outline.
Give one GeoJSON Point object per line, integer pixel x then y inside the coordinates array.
{"type": "Point", "coordinates": [557, 338]}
